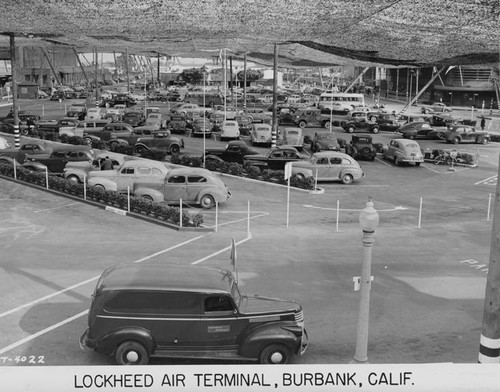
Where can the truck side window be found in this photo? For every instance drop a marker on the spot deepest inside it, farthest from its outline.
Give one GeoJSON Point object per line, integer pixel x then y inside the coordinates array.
{"type": "Point", "coordinates": [218, 303]}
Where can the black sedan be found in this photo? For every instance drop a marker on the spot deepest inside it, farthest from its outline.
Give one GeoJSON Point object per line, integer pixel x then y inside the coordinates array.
{"type": "Point", "coordinates": [417, 130]}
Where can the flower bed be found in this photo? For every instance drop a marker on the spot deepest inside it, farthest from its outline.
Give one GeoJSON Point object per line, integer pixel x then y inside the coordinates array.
{"type": "Point", "coordinates": [111, 198]}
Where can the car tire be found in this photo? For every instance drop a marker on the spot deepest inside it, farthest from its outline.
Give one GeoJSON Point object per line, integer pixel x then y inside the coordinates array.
{"type": "Point", "coordinates": [347, 179]}
{"type": "Point", "coordinates": [302, 124]}
{"type": "Point", "coordinates": [417, 164]}
{"type": "Point", "coordinates": [207, 201]}
{"type": "Point", "coordinates": [147, 197]}
{"type": "Point", "coordinates": [350, 129]}
{"type": "Point", "coordinates": [140, 150]}
{"type": "Point", "coordinates": [375, 130]}
{"type": "Point", "coordinates": [174, 149]}
{"type": "Point", "coordinates": [300, 176]}
{"type": "Point", "coordinates": [441, 135]}
{"type": "Point", "coordinates": [131, 353]}
{"type": "Point", "coordinates": [373, 118]}
{"type": "Point", "coordinates": [412, 137]}
{"type": "Point", "coordinates": [484, 140]}
{"type": "Point", "coordinates": [366, 152]}
{"type": "Point", "coordinates": [88, 141]}
{"type": "Point", "coordinates": [99, 187]}
{"type": "Point", "coordinates": [275, 354]}
{"type": "Point", "coordinates": [327, 124]}
{"type": "Point", "coordinates": [456, 140]}
{"type": "Point", "coordinates": [73, 179]}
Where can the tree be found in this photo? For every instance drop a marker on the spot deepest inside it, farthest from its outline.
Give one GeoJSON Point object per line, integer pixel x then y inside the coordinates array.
{"type": "Point", "coordinates": [252, 75]}
{"type": "Point", "coordinates": [193, 75]}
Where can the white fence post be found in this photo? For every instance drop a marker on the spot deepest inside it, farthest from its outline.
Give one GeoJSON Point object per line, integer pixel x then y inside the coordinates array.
{"type": "Point", "coordinates": [180, 213]}
{"type": "Point", "coordinates": [216, 215]}
{"type": "Point", "coordinates": [84, 187]}
{"type": "Point", "coordinates": [337, 218]}
{"type": "Point", "coordinates": [248, 220]}
{"type": "Point", "coordinates": [420, 215]}
{"type": "Point", "coordinates": [489, 208]}
{"type": "Point", "coordinates": [128, 199]}
{"type": "Point", "coordinates": [46, 178]}
{"type": "Point", "coordinates": [14, 162]}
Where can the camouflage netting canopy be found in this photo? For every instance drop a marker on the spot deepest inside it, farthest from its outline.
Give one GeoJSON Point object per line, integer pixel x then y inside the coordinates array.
{"type": "Point", "coordinates": [388, 33]}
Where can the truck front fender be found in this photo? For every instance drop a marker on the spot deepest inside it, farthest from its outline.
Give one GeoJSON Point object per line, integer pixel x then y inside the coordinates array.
{"type": "Point", "coordinates": [287, 333]}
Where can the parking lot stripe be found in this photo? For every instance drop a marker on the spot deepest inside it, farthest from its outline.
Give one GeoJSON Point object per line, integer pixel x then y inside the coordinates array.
{"type": "Point", "coordinates": [56, 208]}
{"type": "Point", "coordinates": [168, 249]}
{"type": "Point", "coordinates": [42, 332]}
{"type": "Point", "coordinates": [220, 251]}
{"type": "Point", "coordinates": [27, 305]}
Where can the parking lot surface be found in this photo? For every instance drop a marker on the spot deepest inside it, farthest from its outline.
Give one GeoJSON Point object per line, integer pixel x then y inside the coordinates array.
{"type": "Point", "coordinates": [429, 260]}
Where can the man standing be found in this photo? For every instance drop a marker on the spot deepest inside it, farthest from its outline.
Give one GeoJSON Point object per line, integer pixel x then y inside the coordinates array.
{"type": "Point", "coordinates": [107, 164]}
{"type": "Point", "coordinates": [483, 123]}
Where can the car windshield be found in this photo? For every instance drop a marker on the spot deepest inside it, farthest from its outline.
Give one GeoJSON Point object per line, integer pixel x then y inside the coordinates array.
{"type": "Point", "coordinates": [412, 147]}
{"type": "Point", "coordinates": [327, 136]}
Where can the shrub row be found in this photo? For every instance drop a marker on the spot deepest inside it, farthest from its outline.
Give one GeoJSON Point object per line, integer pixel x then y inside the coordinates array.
{"type": "Point", "coordinates": [112, 198]}
{"type": "Point", "coordinates": [236, 169]}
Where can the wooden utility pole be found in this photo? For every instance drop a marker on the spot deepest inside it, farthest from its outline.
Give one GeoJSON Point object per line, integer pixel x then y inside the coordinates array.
{"type": "Point", "coordinates": [274, 134]}
{"type": "Point", "coordinates": [489, 348]}
{"type": "Point", "coordinates": [13, 67]}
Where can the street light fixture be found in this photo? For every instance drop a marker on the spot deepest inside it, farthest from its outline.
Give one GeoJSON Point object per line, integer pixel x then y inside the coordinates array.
{"type": "Point", "coordinates": [368, 220]}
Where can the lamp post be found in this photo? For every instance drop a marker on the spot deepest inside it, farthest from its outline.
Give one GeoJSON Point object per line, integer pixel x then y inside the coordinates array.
{"type": "Point", "coordinates": [368, 220]}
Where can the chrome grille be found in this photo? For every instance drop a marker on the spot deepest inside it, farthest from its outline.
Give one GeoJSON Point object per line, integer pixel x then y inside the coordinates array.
{"type": "Point", "coordinates": [299, 317]}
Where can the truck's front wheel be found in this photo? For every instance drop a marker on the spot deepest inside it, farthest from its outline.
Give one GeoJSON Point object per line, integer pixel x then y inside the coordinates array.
{"type": "Point", "coordinates": [275, 354]}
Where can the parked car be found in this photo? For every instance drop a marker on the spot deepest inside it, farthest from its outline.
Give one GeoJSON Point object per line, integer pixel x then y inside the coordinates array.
{"type": "Point", "coordinates": [191, 184]}
{"type": "Point", "coordinates": [436, 107]}
{"type": "Point", "coordinates": [156, 120]}
{"type": "Point", "coordinates": [329, 166]}
{"type": "Point", "coordinates": [261, 134]}
{"type": "Point", "coordinates": [77, 111]}
{"type": "Point", "coordinates": [292, 136]}
{"type": "Point", "coordinates": [123, 178]}
{"type": "Point", "coordinates": [95, 114]}
{"type": "Point", "coordinates": [77, 172]}
{"type": "Point", "coordinates": [386, 121]}
{"type": "Point", "coordinates": [159, 142]}
{"type": "Point", "coordinates": [56, 161]}
{"type": "Point", "coordinates": [404, 151]}
{"type": "Point", "coordinates": [361, 147]}
{"type": "Point", "coordinates": [187, 110]}
{"type": "Point", "coordinates": [259, 115]}
{"type": "Point", "coordinates": [229, 130]}
{"type": "Point", "coordinates": [324, 141]}
{"type": "Point", "coordinates": [359, 122]}
{"type": "Point", "coordinates": [201, 127]}
{"type": "Point", "coordinates": [311, 116]}
{"type": "Point", "coordinates": [234, 151]}
{"type": "Point", "coordinates": [178, 124]}
{"type": "Point", "coordinates": [275, 159]}
{"type": "Point", "coordinates": [134, 119]}
{"type": "Point", "coordinates": [464, 133]}
{"type": "Point", "coordinates": [139, 311]}
{"type": "Point", "coordinates": [420, 130]}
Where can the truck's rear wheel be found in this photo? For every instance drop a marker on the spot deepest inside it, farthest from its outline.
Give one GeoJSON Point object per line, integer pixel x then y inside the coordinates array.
{"type": "Point", "coordinates": [131, 353]}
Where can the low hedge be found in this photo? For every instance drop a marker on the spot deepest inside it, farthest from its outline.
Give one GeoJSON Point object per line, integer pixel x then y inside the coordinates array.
{"type": "Point", "coordinates": [275, 176]}
{"type": "Point", "coordinates": [112, 198]}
